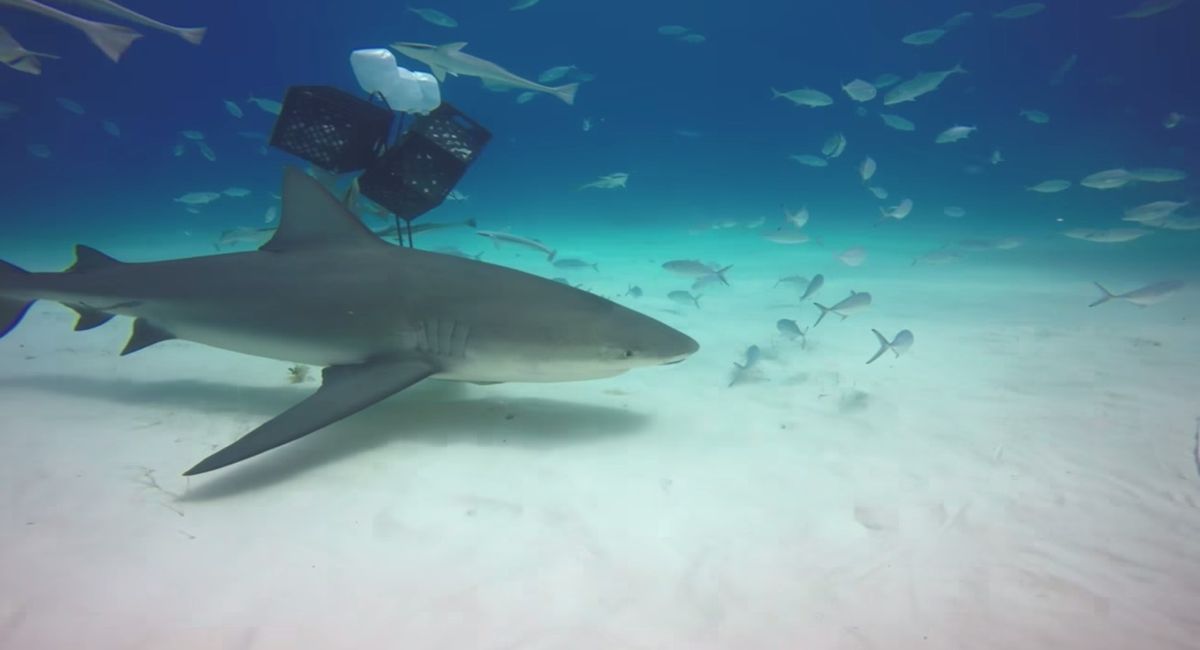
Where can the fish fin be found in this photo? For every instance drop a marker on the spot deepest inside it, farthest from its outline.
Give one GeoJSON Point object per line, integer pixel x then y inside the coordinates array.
{"type": "Point", "coordinates": [11, 310]}
{"type": "Point", "coordinates": [144, 335]}
{"type": "Point", "coordinates": [344, 391]}
{"type": "Point", "coordinates": [721, 275]}
{"type": "Point", "coordinates": [113, 40]}
{"type": "Point", "coordinates": [453, 47]}
{"type": "Point", "coordinates": [438, 72]}
{"type": "Point", "coordinates": [313, 218]}
{"type": "Point", "coordinates": [89, 318]}
{"type": "Point", "coordinates": [824, 312]}
{"type": "Point", "coordinates": [90, 259]}
{"type": "Point", "coordinates": [1104, 298]}
{"type": "Point", "coordinates": [884, 346]}
{"type": "Point", "coordinates": [566, 93]}
{"type": "Point", "coordinates": [193, 35]}
{"type": "Point", "coordinates": [550, 255]}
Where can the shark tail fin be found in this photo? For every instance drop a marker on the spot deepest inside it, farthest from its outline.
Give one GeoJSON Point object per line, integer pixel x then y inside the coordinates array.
{"type": "Point", "coordinates": [884, 346]}
{"type": "Point", "coordinates": [193, 35]}
{"type": "Point", "coordinates": [1108, 295]}
{"type": "Point", "coordinates": [113, 40]}
{"type": "Point", "coordinates": [566, 93]}
{"type": "Point", "coordinates": [12, 310]}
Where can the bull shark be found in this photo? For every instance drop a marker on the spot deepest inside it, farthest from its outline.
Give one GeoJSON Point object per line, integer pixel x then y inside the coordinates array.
{"type": "Point", "coordinates": [325, 291]}
{"type": "Point", "coordinates": [450, 59]}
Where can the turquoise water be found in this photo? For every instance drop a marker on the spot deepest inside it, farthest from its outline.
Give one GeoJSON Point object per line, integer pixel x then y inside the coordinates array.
{"type": "Point", "coordinates": [1023, 475]}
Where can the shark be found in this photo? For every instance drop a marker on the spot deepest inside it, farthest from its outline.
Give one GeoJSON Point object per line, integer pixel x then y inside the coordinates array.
{"type": "Point", "coordinates": [450, 59]}
{"type": "Point", "coordinates": [378, 318]}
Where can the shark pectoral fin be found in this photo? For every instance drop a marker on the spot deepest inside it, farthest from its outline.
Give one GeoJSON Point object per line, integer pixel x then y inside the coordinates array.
{"type": "Point", "coordinates": [344, 391]}
{"type": "Point", "coordinates": [144, 335]}
{"type": "Point", "coordinates": [438, 72]}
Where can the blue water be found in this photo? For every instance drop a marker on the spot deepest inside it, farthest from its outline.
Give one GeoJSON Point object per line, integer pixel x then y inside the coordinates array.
{"type": "Point", "coordinates": [648, 87]}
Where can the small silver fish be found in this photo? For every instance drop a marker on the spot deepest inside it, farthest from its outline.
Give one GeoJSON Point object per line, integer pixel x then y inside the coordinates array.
{"type": "Point", "coordinates": [791, 331]}
{"type": "Point", "coordinates": [898, 345]}
{"type": "Point", "coordinates": [813, 287]}
{"type": "Point", "coordinates": [505, 238]}
{"type": "Point", "coordinates": [684, 298]}
{"type": "Point", "coordinates": [1142, 297]}
{"type": "Point", "coordinates": [855, 303]}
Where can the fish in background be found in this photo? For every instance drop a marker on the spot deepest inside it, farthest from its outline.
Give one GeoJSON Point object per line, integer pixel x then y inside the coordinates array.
{"type": "Point", "coordinates": [809, 160]}
{"type": "Point", "coordinates": [697, 269]}
{"type": "Point", "coordinates": [575, 264]}
{"type": "Point", "coordinates": [804, 97]}
{"type": "Point", "coordinates": [70, 105]}
{"type": "Point", "coordinates": [522, 5]}
{"type": "Point", "coordinates": [799, 218]}
{"type": "Point", "coordinates": [787, 235]}
{"type": "Point", "coordinates": [232, 108]}
{"type": "Point", "coordinates": [1109, 179]}
{"type": "Point", "coordinates": [855, 303]}
{"type": "Point", "coordinates": [957, 20]}
{"type": "Point", "coordinates": [898, 122]}
{"type": "Point", "coordinates": [853, 257]}
{"type": "Point", "coordinates": [110, 127]}
{"type": "Point", "coordinates": [435, 17]}
{"type": "Point", "coordinates": [955, 134]}
{"type": "Point", "coordinates": [1148, 8]}
{"type": "Point", "coordinates": [747, 370]}
{"type": "Point", "coordinates": [1035, 116]}
{"type": "Point", "coordinates": [634, 291]}
{"type": "Point", "coordinates": [1050, 187]}
{"type": "Point", "coordinates": [921, 84]}
{"type": "Point", "coordinates": [1060, 73]}
{"type": "Point", "coordinates": [813, 287]}
{"type": "Point", "coordinates": [867, 168]}
{"type": "Point", "coordinates": [15, 56]}
{"type": "Point", "coordinates": [449, 59]}
{"type": "Point", "coordinates": [834, 145]}
{"type": "Point", "coordinates": [1109, 236]}
{"type": "Point", "coordinates": [1142, 297]}
{"type": "Point", "coordinates": [8, 109]}
{"type": "Point", "coordinates": [684, 298]}
{"type": "Point", "coordinates": [499, 238]}
{"type": "Point", "coordinates": [859, 90]}
{"type": "Point", "coordinates": [792, 331]}
{"type": "Point", "coordinates": [607, 182]}
{"type": "Point", "coordinates": [111, 39]}
{"type": "Point", "coordinates": [898, 345]}
{"type": "Point", "coordinates": [896, 212]}
{"type": "Point", "coordinates": [1024, 10]}
{"type": "Point", "coordinates": [268, 105]}
{"type": "Point", "coordinates": [1172, 120]}
{"type": "Point", "coordinates": [924, 37]}
{"type": "Point", "coordinates": [193, 35]}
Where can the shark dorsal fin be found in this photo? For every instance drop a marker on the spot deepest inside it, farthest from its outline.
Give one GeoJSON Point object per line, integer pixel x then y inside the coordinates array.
{"type": "Point", "coordinates": [454, 47]}
{"type": "Point", "coordinates": [313, 218]}
{"type": "Point", "coordinates": [90, 259]}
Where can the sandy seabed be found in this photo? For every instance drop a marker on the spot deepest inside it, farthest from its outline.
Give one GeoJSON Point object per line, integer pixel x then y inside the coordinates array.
{"type": "Point", "coordinates": [1023, 478]}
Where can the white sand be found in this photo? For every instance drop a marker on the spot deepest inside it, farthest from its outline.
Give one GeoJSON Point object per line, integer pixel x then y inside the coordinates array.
{"type": "Point", "coordinates": [1023, 478]}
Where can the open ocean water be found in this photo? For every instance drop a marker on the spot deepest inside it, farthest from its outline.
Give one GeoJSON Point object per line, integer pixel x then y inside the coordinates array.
{"type": "Point", "coordinates": [1016, 466]}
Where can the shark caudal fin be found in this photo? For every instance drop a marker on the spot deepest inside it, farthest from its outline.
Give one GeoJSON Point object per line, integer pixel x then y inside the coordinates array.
{"type": "Point", "coordinates": [12, 310]}
{"type": "Point", "coordinates": [1108, 295]}
{"type": "Point", "coordinates": [566, 93]}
